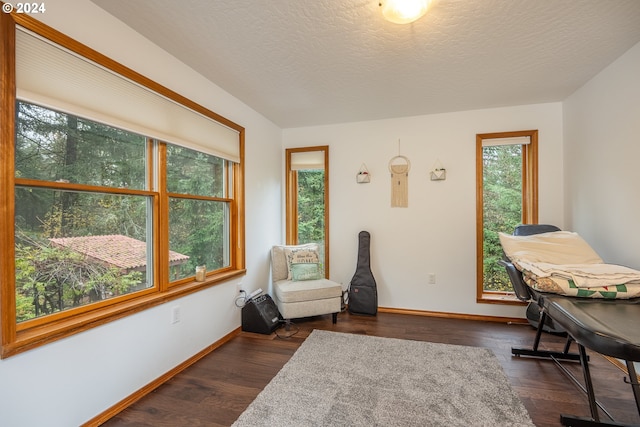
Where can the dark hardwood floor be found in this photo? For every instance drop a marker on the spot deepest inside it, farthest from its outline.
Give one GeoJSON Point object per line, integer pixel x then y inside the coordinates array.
{"type": "Point", "coordinates": [216, 390]}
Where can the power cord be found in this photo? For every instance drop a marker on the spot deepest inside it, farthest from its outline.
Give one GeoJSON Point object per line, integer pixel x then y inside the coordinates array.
{"type": "Point", "coordinates": [287, 327]}
{"type": "Point", "coordinates": [241, 300]}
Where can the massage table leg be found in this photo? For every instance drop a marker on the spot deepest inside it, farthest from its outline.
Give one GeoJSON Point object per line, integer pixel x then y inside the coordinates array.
{"type": "Point", "coordinates": [591, 396]}
{"type": "Point", "coordinates": [547, 354]}
{"type": "Point", "coordinates": [633, 380]}
{"type": "Point", "coordinates": [543, 318]}
{"type": "Point", "coordinates": [573, 421]}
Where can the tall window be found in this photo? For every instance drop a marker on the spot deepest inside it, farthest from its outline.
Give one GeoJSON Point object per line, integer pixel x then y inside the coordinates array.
{"type": "Point", "coordinates": [308, 198]}
{"type": "Point", "coordinates": [199, 208]}
{"type": "Point", "coordinates": [506, 196]}
{"type": "Point", "coordinates": [116, 190]}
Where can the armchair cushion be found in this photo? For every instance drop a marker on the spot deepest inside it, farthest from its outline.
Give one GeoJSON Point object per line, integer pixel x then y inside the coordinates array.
{"type": "Point", "coordinates": [283, 256]}
{"type": "Point", "coordinates": [305, 271]}
{"type": "Point", "coordinates": [289, 291]}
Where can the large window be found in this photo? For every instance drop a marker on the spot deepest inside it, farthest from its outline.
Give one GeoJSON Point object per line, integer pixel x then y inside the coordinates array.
{"type": "Point", "coordinates": [105, 213]}
{"type": "Point", "coordinates": [506, 196]}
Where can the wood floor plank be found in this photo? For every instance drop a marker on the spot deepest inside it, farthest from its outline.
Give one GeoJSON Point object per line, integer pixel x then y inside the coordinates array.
{"type": "Point", "coordinates": [218, 388]}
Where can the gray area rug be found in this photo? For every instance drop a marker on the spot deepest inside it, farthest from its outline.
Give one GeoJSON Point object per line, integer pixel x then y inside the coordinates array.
{"type": "Point", "coordinates": [338, 379]}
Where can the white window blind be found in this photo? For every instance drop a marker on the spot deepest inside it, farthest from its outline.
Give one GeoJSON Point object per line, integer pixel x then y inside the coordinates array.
{"type": "Point", "coordinates": [54, 77]}
{"type": "Point", "coordinates": [307, 160]}
{"type": "Point", "coordinates": [518, 140]}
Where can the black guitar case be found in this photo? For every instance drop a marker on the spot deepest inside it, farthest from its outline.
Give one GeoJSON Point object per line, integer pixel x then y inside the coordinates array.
{"type": "Point", "coordinates": [363, 293]}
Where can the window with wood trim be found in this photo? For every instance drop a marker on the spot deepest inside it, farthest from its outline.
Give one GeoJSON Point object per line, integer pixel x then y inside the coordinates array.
{"type": "Point", "coordinates": [507, 195]}
{"type": "Point", "coordinates": [116, 190]}
{"type": "Point", "coordinates": [307, 199]}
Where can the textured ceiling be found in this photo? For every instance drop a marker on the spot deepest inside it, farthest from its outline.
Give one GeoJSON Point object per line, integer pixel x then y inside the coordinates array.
{"type": "Point", "coordinates": [311, 62]}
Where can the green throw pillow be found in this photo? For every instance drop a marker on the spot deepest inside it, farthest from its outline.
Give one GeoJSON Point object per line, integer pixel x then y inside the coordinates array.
{"type": "Point", "coordinates": [305, 271]}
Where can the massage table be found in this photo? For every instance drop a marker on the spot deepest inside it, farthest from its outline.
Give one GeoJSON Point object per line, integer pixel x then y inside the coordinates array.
{"type": "Point", "coordinates": [606, 326]}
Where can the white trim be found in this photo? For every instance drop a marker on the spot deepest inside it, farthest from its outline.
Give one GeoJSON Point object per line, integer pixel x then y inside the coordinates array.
{"type": "Point", "coordinates": [518, 140]}
{"type": "Point", "coordinates": [307, 160]}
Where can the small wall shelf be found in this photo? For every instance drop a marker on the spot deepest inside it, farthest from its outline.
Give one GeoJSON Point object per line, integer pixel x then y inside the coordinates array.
{"type": "Point", "coordinates": [363, 176]}
{"type": "Point", "coordinates": [438, 172]}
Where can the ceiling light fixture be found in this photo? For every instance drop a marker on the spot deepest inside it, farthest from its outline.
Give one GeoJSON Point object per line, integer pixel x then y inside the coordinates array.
{"type": "Point", "coordinates": [403, 11]}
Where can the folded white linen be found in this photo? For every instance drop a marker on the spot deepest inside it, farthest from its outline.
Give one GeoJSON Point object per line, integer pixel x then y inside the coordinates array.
{"type": "Point", "coordinates": [557, 247]}
{"type": "Point", "coordinates": [585, 275]}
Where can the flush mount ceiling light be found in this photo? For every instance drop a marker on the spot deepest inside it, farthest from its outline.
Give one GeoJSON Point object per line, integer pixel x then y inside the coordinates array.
{"type": "Point", "coordinates": [403, 11]}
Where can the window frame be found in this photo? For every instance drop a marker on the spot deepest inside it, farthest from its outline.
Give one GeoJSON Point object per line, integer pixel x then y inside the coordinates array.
{"type": "Point", "coordinates": [291, 208]}
{"type": "Point", "coordinates": [226, 198]}
{"type": "Point", "coordinates": [15, 339]}
{"type": "Point", "coordinates": [529, 206]}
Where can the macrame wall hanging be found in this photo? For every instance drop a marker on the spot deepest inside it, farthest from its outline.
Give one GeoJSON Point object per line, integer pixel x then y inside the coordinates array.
{"type": "Point", "coordinates": [399, 167]}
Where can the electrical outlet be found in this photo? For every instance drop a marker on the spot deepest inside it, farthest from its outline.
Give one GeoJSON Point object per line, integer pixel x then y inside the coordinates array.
{"type": "Point", "coordinates": [432, 278]}
{"type": "Point", "coordinates": [175, 315]}
{"type": "Point", "coordinates": [239, 287]}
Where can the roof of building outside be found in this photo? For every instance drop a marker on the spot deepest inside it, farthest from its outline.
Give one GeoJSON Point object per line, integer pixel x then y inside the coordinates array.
{"type": "Point", "coordinates": [117, 250]}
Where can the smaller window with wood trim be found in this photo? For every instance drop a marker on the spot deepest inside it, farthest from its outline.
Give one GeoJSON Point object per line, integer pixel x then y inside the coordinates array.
{"type": "Point", "coordinates": [307, 199]}
{"type": "Point", "coordinates": [507, 195]}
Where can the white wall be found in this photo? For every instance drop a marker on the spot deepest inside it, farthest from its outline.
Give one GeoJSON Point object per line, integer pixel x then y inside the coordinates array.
{"type": "Point", "coordinates": [602, 151]}
{"type": "Point", "coordinates": [70, 381]}
{"type": "Point", "coordinates": [436, 233]}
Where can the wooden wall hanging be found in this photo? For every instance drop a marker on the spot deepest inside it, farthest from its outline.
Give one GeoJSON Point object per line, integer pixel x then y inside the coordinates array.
{"type": "Point", "coordinates": [399, 167]}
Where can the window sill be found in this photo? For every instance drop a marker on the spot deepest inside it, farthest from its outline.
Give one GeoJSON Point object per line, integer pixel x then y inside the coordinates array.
{"type": "Point", "coordinates": [36, 336]}
{"type": "Point", "coordinates": [499, 298]}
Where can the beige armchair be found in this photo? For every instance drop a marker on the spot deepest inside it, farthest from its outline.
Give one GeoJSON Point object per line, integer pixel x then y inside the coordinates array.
{"type": "Point", "coordinates": [299, 289]}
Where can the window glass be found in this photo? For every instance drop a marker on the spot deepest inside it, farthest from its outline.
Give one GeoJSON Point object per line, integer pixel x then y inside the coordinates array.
{"type": "Point", "coordinates": [193, 172]}
{"type": "Point", "coordinates": [54, 146]}
{"type": "Point", "coordinates": [199, 230]}
{"type": "Point", "coordinates": [311, 208]}
{"type": "Point", "coordinates": [77, 248]}
{"type": "Point", "coordinates": [502, 208]}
